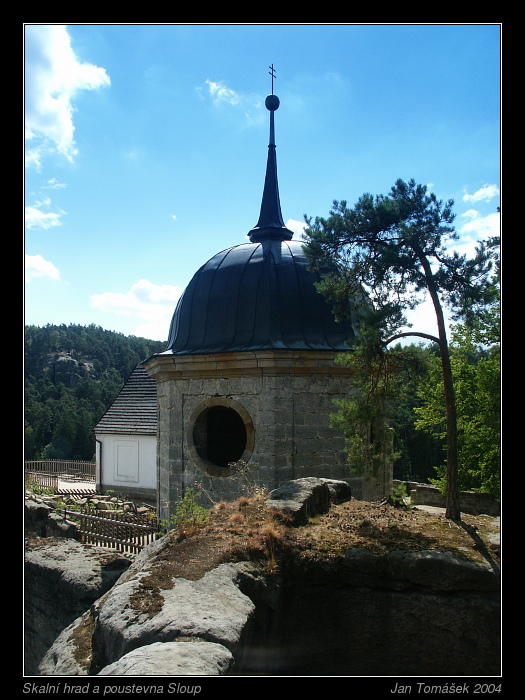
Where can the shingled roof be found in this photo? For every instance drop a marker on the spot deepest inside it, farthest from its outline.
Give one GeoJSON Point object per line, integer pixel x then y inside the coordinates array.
{"type": "Point", "coordinates": [134, 411]}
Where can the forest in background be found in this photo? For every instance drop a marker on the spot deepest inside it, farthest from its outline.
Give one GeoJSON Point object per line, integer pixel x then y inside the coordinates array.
{"type": "Point", "coordinates": [72, 376]}
{"type": "Point", "coordinates": [74, 373]}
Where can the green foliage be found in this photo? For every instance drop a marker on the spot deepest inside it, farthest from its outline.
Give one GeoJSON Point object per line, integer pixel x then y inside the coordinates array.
{"type": "Point", "coordinates": [370, 418]}
{"type": "Point", "coordinates": [37, 489]}
{"type": "Point", "coordinates": [188, 514]}
{"type": "Point", "coordinates": [476, 372]}
{"type": "Point", "coordinates": [398, 495]}
{"type": "Point", "coordinates": [417, 452]}
{"type": "Point", "coordinates": [72, 375]}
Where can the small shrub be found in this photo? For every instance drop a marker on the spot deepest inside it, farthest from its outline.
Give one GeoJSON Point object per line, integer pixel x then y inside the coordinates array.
{"type": "Point", "coordinates": [189, 516]}
{"type": "Point", "coordinates": [398, 496]}
{"type": "Point", "coordinates": [273, 538]}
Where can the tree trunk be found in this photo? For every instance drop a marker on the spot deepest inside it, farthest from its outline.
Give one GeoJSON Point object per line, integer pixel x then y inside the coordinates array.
{"type": "Point", "coordinates": [452, 496]}
{"type": "Point", "coordinates": [452, 510]}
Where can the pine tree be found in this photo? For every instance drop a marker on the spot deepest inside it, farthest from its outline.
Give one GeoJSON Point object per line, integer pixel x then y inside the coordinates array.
{"type": "Point", "coordinates": [391, 252]}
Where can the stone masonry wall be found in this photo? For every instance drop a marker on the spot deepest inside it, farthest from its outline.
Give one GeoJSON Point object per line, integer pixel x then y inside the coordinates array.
{"type": "Point", "coordinates": [292, 433]}
{"type": "Point", "coordinates": [285, 400]}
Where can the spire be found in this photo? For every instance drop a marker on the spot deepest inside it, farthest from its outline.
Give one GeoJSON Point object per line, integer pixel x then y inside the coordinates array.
{"type": "Point", "coordinates": [271, 224]}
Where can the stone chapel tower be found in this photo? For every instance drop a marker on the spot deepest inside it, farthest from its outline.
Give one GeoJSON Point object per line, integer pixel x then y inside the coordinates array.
{"type": "Point", "coordinates": [249, 371]}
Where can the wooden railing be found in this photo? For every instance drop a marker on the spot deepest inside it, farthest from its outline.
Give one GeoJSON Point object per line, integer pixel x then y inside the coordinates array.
{"type": "Point", "coordinates": [86, 471]}
{"type": "Point", "coordinates": [124, 532]}
{"type": "Point", "coordinates": [62, 484]}
{"type": "Point", "coordinates": [44, 479]}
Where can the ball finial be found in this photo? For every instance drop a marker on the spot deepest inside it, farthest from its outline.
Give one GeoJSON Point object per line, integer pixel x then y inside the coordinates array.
{"type": "Point", "coordinates": [272, 102]}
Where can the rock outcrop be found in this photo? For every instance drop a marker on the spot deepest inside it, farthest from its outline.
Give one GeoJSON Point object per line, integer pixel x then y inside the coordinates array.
{"type": "Point", "coordinates": [41, 520]}
{"type": "Point", "coordinates": [61, 367]}
{"type": "Point", "coordinates": [427, 613]}
{"type": "Point", "coordinates": [402, 613]}
{"type": "Point", "coordinates": [63, 578]}
{"type": "Point", "coordinates": [135, 614]}
{"type": "Point", "coordinates": [300, 499]}
{"type": "Point", "coordinates": [212, 609]}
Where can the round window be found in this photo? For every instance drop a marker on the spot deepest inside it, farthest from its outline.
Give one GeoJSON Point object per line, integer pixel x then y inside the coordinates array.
{"type": "Point", "coordinates": [221, 433]}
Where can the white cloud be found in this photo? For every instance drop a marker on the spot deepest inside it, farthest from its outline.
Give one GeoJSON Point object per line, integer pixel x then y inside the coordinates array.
{"type": "Point", "coordinates": [297, 227]}
{"type": "Point", "coordinates": [475, 228]}
{"type": "Point", "coordinates": [149, 303]}
{"type": "Point", "coordinates": [480, 227]}
{"type": "Point", "coordinates": [36, 218]}
{"type": "Point", "coordinates": [53, 184]}
{"type": "Point", "coordinates": [220, 93]}
{"type": "Point", "coordinates": [37, 266]}
{"type": "Point", "coordinates": [484, 194]}
{"type": "Point", "coordinates": [423, 320]}
{"type": "Point", "coordinates": [53, 75]}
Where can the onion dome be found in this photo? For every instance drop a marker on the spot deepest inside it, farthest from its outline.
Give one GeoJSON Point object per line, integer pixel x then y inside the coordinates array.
{"type": "Point", "coordinates": [259, 295]}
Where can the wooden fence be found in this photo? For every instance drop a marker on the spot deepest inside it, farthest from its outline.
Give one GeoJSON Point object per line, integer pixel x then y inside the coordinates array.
{"type": "Point", "coordinates": [84, 471]}
{"type": "Point", "coordinates": [124, 532]}
{"type": "Point", "coordinates": [45, 479]}
{"type": "Point", "coordinates": [61, 484]}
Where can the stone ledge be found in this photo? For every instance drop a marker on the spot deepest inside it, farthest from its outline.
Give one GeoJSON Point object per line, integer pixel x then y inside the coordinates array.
{"type": "Point", "coordinates": [300, 499]}
{"type": "Point", "coordinates": [243, 364]}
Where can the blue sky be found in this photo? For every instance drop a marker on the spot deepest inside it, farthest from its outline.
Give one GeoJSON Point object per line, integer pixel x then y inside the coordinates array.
{"type": "Point", "coordinates": [146, 146]}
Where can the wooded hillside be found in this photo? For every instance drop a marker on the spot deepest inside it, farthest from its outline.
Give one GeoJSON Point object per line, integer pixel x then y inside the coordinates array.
{"type": "Point", "coordinates": [72, 375]}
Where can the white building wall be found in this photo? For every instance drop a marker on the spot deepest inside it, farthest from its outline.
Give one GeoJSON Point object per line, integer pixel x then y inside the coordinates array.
{"type": "Point", "coordinates": [127, 462]}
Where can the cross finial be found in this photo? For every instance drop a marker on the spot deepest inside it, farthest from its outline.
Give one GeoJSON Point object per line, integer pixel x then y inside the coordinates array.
{"type": "Point", "coordinates": [272, 73]}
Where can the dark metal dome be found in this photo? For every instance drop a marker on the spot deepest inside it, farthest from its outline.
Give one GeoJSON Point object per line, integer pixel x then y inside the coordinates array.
{"type": "Point", "coordinates": [259, 295]}
{"type": "Point", "coordinates": [255, 296]}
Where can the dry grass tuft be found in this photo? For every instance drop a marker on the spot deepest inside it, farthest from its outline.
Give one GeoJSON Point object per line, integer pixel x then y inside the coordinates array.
{"type": "Point", "coordinates": [237, 518]}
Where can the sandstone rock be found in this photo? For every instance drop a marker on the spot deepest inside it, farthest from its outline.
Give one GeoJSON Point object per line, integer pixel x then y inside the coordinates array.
{"type": "Point", "coordinates": [66, 369]}
{"type": "Point", "coordinates": [41, 520]}
{"type": "Point", "coordinates": [103, 505]}
{"type": "Point", "coordinates": [412, 613]}
{"type": "Point", "coordinates": [343, 625]}
{"type": "Point", "coordinates": [64, 657]}
{"type": "Point", "coordinates": [132, 615]}
{"type": "Point", "coordinates": [340, 491]}
{"type": "Point", "coordinates": [62, 580]}
{"type": "Point", "coordinates": [303, 498]}
{"type": "Point", "coordinates": [430, 569]}
{"type": "Point", "coordinates": [442, 571]}
{"type": "Point", "coordinates": [403, 613]}
{"type": "Point", "coordinates": [173, 659]}
{"type": "Point", "coordinates": [36, 514]}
